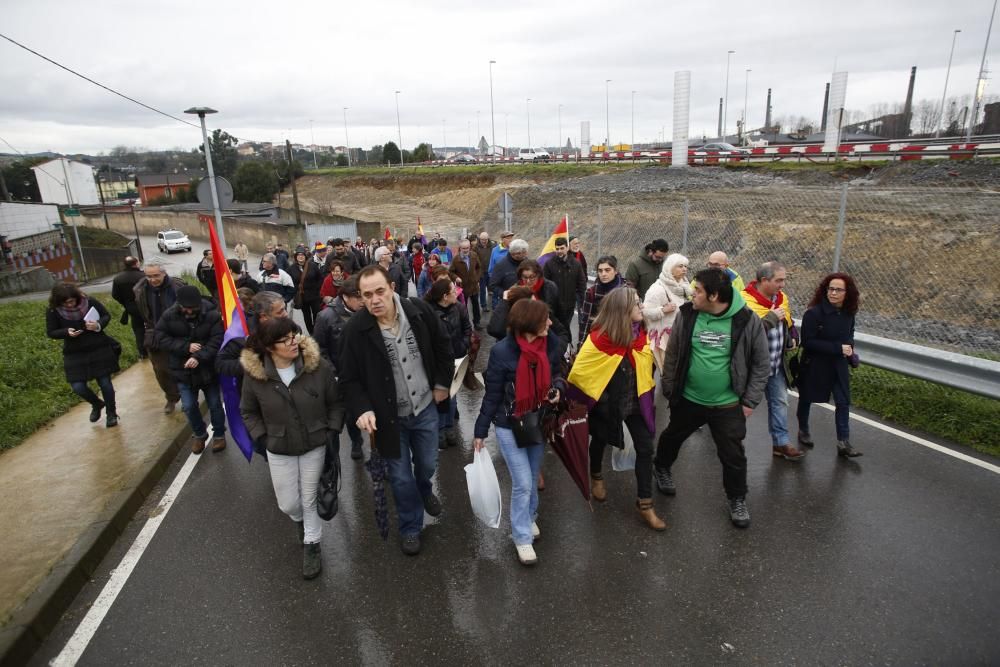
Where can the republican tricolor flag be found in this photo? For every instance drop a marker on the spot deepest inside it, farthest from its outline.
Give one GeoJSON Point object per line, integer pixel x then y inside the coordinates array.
{"type": "Point", "coordinates": [235, 324]}
{"type": "Point", "coordinates": [420, 233]}
{"type": "Point", "coordinates": [561, 231]}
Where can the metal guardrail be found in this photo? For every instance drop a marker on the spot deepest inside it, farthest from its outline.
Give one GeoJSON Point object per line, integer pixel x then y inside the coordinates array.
{"type": "Point", "coordinates": [979, 376]}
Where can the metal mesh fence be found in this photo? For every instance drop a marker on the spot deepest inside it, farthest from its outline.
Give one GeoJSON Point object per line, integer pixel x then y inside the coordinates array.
{"type": "Point", "coordinates": [923, 258]}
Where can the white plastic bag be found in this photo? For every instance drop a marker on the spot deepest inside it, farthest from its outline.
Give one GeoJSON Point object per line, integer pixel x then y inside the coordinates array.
{"type": "Point", "coordinates": [624, 459]}
{"type": "Point", "coordinates": [484, 488]}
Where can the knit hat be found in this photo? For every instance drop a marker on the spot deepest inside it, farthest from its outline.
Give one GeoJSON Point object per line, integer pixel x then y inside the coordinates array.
{"type": "Point", "coordinates": [189, 296]}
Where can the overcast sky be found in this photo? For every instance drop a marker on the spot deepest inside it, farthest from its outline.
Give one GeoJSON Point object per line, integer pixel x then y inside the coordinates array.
{"type": "Point", "coordinates": [271, 67]}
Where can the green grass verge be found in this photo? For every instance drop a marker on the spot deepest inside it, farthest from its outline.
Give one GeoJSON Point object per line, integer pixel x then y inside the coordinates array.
{"type": "Point", "coordinates": [954, 415]}
{"type": "Point", "coordinates": [33, 387]}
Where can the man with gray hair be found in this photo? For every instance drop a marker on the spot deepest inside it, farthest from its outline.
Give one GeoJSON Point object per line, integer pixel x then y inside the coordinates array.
{"type": "Point", "coordinates": [383, 257]}
{"type": "Point", "coordinates": [765, 296]}
{"type": "Point", "coordinates": [504, 274]}
{"type": "Point", "coordinates": [154, 293]}
{"type": "Point", "coordinates": [265, 306]}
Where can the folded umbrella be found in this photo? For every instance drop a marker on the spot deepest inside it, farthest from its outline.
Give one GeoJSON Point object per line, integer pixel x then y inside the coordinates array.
{"type": "Point", "coordinates": [569, 440]}
{"type": "Point", "coordinates": [379, 470]}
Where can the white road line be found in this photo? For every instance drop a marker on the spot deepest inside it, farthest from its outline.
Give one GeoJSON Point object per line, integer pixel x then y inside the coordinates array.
{"type": "Point", "coordinates": [77, 644]}
{"type": "Point", "coordinates": [914, 439]}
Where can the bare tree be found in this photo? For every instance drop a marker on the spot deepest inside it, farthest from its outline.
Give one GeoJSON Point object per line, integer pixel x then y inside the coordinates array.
{"type": "Point", "coordinates": [925, 116]}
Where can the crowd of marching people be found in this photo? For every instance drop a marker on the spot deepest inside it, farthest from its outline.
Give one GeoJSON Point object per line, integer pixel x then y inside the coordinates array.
{"type": "Point", "coordinates": [374, 360]}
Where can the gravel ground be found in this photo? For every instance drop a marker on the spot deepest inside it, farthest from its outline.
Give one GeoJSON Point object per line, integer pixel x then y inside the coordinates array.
{"type": "Point", "coordinates": [661, 179]}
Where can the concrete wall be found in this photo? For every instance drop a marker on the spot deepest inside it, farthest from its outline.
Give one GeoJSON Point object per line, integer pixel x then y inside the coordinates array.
{"type": "Point", "coordinates": [255, 232]}
{"type": "Point", "coordinates": [21, 220]}
{"type": "Point", "coordinates": [35, 279]}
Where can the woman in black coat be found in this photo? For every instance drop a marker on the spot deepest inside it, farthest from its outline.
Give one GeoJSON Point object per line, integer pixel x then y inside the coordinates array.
{"type": "Point", "coordinates": [88, 352]}
{"type": "Point", "coordinates": [443, 297]}
{"type": "Point", "coordinates": [308, 278]}
{"type": "Point", "coordinates": [828, 350]}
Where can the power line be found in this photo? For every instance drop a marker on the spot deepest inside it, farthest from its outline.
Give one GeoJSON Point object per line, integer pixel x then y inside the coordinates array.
{"type": "Point", "coordinates": [99, 85]}
{"type": "Point", "coordinates": [36, 166]}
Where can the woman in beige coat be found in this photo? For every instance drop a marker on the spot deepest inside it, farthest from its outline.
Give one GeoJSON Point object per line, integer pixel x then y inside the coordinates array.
{"type": "Point", "coordinates": [664, 297]}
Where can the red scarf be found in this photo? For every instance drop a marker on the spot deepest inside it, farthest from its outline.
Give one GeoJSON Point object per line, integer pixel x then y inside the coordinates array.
{"type": "Point", "coordinates": [533, 375]}
{"type": "Point", "coordinates": [751, 289]}
{"type": "Point", "coordinates": [536, 290]}
{"type": "Point", "coordinates": [605, 344]}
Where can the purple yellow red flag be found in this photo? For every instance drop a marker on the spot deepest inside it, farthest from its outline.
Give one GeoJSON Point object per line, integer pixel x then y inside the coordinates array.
{"type": "Point", "coordinates": [561, 231]}
{"type": "Point", "coordinates": [235, 324]}
{"type": "Point", "coordinates": [420, 232]}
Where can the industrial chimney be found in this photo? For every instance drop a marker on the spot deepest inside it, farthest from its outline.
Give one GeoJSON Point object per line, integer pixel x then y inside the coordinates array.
{"type": "Point", "coordinates": [908, 107]}
{"type": "Point", "coordinates": [826, 104]}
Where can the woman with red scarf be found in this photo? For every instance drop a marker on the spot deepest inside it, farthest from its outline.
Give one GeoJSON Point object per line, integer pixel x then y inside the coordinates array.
{"type": "Point", "coordinates": [523, 374]}
{"type": "Point", "coordinates": [529, 274]}
{"type": "Point", "coordinates": [333, 282]}
{"type": "Point", "coordinates": [613, 376]}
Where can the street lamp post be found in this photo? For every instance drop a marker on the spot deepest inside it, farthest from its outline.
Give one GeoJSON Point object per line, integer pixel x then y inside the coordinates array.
{"type": "Point", "coordinates": [506, 133]}
{"type": "Point", "coordinates": [633, 121]}
{"type": "Point", "coordinates": [493, 126]}
{"type": "Point", "coordinates": [399, 131]}
{"type": "Point", "coordinates": [725, 103]}
{"type": "Point", "coordinates": [201, 113]}
{"type": "Point", "coordinates": [746, 96]}
{"type": "Point", "coordinates": [444, 140]}
{"type": "Point", "coordinates": [981, 81]}
{"type": "Point", "coordinates": [559, 143]}
{"type": "Point", "coordinates": [312, 137]}
{"type": "Point", "coordinates": [347, 141]}
{"type": "Point", "coordinates": [947, 75]}
{"type": "Point", "coordinates": [607, 116]}
{"type": "Point", "coordinates": [527, 106]}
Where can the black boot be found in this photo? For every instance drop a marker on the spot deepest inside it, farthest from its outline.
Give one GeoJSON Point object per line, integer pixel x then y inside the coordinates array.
{"type": "Point", "coordinates": [112, 416]}
{"type": "Point", "coordinates": [312, 561]}
{"type": "Point", "coordinates": [95, 411]}
{"type": "Point", "coordinates": [845, 450]}
{"type": "Point", "coordinates": [356, 453]}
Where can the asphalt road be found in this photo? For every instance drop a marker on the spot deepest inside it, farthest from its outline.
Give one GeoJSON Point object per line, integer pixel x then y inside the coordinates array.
{"type": "Point", "coordinates": [886, 559]}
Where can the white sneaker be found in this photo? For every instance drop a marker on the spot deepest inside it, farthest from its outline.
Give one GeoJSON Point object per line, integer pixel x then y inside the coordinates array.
{"type": "Point", "coordinates": [526, 554]}
{"type": "Point", "coordinates": [535, 530]}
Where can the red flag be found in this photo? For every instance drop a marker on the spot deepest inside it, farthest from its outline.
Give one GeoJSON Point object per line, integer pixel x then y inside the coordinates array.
{"type": "Point", "coordinates": [388, 234]}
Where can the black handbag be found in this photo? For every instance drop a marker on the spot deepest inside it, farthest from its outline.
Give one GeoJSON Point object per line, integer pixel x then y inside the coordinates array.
{"type": "Point", "coordinates": [528, 429]}
{"type": "Point", "coordinates": [329, 481]}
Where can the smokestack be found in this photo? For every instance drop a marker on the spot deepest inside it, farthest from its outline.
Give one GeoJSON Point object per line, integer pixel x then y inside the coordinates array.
{"type": "Point", "coordinates": [767, 119]}
{"type": "Point", "coordinates": [908, 107]}
{"type": "Point", "coordinates": [826, 105]}
{"type": "Point", "coordinates": [720, 117]}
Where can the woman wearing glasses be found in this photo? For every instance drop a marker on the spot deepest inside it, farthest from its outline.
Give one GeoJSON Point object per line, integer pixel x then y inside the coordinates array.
{"type": "Point", "coordinates": [291, 405]}
{"type": "Point", "coordinates": [828, 350]}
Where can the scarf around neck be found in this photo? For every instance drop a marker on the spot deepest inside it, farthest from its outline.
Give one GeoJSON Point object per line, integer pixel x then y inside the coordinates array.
{"type": "Point", "coordinates": [534, 376]}
{"type": "Point", "coordinates": [752, 290]}
{"type": "Point", "coordinates": [77, 313]}
{"type": "Point", "coordinates": [604, 288]}
{"type": "Point", "coordinates": [536, 289]}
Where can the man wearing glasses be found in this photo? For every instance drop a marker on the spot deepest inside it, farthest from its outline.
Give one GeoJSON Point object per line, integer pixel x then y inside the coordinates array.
{"type": "Point", "coordinates": [719, 260]}
{"type": "Point", "coordinates": [395, 364]}
{"type": "Point", "coordinates": [154, 293]}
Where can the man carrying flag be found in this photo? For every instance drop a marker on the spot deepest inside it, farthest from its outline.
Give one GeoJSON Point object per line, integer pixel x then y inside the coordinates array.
{"type": "Point", "coordinates": [562, 269]}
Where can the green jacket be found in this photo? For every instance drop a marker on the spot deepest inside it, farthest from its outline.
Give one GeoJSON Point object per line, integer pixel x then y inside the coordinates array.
{"type": "Point", "coordinates": [642, 272]}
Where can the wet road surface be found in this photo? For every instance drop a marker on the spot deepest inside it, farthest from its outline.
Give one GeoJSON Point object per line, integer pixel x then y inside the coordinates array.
{"type": "Point", "coordinates": [886, 559]}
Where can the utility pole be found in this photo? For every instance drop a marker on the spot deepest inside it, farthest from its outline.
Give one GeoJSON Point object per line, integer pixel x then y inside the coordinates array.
{"type": "Point", "coordinates": [493, 125]}
{"type": "Point", "coordinates": [947, 75]}
{"type": "Point", "coordinates": [291, 177]}
{"type": "Point", "coordinates": [313, 137]}
{"type": "Point", "coordinates": [633, 120]}
{"type": "Point", "coordinates": [399, 131]}
{"type": "Point", "coordinates": [725, 108]}
{"type": "Point", "coordinates": [100, 194]}
{"type": "Point", "coordinates": [981, 81]}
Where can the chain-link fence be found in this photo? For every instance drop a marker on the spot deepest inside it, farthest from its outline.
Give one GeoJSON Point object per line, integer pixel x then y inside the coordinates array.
{"type": "Point", "coordinates": [924, 258]}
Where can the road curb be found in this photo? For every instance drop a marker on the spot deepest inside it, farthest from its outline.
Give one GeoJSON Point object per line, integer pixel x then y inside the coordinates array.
{"type": "Point", "coordinates": [32, 622]}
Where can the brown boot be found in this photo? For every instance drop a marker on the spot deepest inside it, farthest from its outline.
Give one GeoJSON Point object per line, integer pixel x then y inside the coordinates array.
{"type": "Point", "coordinates": [648, 514]}
{"type": "Point", "coordinates": [597, 489]}
{"type": "Point", "coordinates": [198, 444]}
{"type": "Point", "coordinates": [218, 444]}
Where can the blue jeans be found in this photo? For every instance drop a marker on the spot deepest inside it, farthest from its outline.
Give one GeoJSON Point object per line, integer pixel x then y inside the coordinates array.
{"type": "Point", "coordinates": [410, 474]}
{"type": "Point", "coordinates": [447, 419]}
{"type": "Point", "coordinates": [484, 282]}
{"type": "Point", "coordinates": [841, 413]}
{"type": "Point", "coordinates": [83, 390]}
{"type": "Point", "coordinates": [189, 403]}
{"type": "Point", "coordinates": [524, 464]}
{"type": "Point", "coordinates": [776, 393]}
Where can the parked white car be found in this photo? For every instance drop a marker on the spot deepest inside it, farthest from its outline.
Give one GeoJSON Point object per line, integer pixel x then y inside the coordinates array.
{"type": "Point", "coordinates": [533, 155]}
{"type": "Point", "coordinates": [172, 240]}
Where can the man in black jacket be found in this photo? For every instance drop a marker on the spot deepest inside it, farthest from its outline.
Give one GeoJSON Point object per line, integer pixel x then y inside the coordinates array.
{"type": "Point", "coordinates": [567, 274]}
{"type": "Point", "coordinates": [191, 333]}
{"type": "Point", "coordinates": [504, 273]}
{"type": "Point", "coordinates": [154, 294]}
{"type": "Point", "coordinates": [205, 272]}
{"type": "Point", "coordinates": [265, 306]}
{"type": "Point", "coordinates": [121, 291]}
{"type": "Point", "coordinates": [395, 364]}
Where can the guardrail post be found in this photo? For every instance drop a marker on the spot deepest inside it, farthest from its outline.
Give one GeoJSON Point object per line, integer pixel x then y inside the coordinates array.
{"type": "Point", "coordinates": [841, 220]}
{"type": "Point", "coordinates": [684, 242]}
{"type": "Point", "coordinates": [600, 224]}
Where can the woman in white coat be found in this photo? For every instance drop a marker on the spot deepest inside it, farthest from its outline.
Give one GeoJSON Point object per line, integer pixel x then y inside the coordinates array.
{"type": "Point", "coordinates": [664, 297]}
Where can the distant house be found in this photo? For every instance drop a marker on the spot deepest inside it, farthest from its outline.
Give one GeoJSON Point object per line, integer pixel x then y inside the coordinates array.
{"type": "Point", "coordinates": [246, 150]}
{"type": "Point", "coordinates": [152, 186]}
{"type": "Point", "coordinates": [63, 181]}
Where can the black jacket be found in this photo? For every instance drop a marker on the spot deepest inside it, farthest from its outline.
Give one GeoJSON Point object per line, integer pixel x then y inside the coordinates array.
{"type": "Point", "coordinates": [825, 328]}
{"type": "Point", "coordinates": [313, 280]}
{"type": "Point", "coordinates": [569, 279]}
{"type": "Point", "coordinates": [455, 319]}
{"type": "Point", "coordinates": [121, 291]}
{"type": "Point", "coordinates": [227, 361]}
{"type": "Point", "coordinates": [329, 330]}
{"type": "Point", "coordinates": [175, 333]}
{"type": "Point", "coordinates": [90, 355]}
{"type": "Point", "coordinates": [144, 295]}
{"type": "Point", "coordinates": [206, 274]}
{"type": "Point", "coordinates": [504, 273]}
{"type": "Point", "coordinates": [366, 379]}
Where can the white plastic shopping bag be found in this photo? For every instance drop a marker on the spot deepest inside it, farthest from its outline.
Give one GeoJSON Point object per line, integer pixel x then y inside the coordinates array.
{"type": "Point", "coordinates": [484, 488]}
{"type": "Point", "coordinates": [624, 459]}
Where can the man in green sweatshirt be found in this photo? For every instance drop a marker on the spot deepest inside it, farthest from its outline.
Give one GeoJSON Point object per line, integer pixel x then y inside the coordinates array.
{"type": "Point", "coordinates": [714, 372]}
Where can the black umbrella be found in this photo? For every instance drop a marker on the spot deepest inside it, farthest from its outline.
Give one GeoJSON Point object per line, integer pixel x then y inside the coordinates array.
{"type": "Point", "coordinates": [379, 470]}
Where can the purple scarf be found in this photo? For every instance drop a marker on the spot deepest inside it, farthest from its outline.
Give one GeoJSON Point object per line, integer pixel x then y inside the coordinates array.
{"type": "Point", "coordinates": [82, 306]}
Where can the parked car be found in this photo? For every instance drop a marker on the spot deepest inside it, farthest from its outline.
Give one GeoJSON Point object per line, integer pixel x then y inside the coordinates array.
{"type": "Point", "coordinates": [533, 155]}
{"type": "Point", "coordinates": [464, 158]}
{"type": "Point", "coordinates": [722, 147]}
{"type": "Point", "coordinates": [172, 240]}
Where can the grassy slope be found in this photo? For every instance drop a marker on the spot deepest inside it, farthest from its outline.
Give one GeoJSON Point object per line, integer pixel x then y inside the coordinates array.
{"type": "Point", "coordinates": [552, 170]}
{"type": "Point", "coordinates": [33, 387]}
